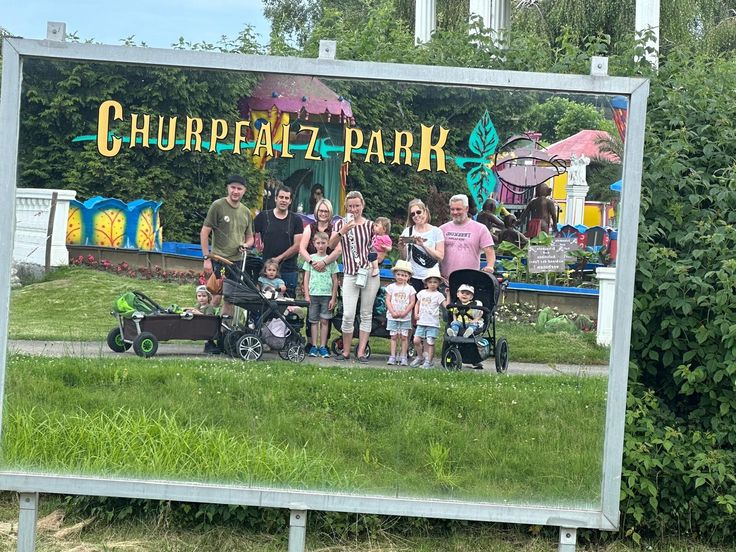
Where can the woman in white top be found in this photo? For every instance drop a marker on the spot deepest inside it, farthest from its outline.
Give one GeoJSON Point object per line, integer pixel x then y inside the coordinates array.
{"type": "Point", "coordinates": [322, 223]}
{"type": "Point", "coordinates": [422, 244]}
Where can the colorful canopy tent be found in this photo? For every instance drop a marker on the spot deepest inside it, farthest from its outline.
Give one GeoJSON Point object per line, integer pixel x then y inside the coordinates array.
{"type": "Point", "coordinates": [284, 99]}
{"type": "Point", "coordinates": [584, 143]}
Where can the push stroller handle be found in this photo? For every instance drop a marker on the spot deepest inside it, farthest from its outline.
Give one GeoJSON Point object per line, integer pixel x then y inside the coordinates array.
{"type": "Point", "coordinates": [462, 309]}
{"type": "Point", "coordinates": [228, 262]}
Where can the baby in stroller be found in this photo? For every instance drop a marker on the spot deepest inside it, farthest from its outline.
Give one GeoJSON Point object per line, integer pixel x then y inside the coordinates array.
{"type": "Point", "coordinates": [466, 321]}
{"type": "Point", "coordinates": [471, 336]}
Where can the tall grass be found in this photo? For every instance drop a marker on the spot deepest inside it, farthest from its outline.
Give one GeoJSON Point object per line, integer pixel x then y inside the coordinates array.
{"type": "Point", "coordinates": [408, 433]}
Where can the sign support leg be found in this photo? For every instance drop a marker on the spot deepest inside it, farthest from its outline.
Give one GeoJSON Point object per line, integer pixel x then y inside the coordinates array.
{"type": "Point", "coordinates": [297, 531]}
{"type": "Point", "coordinates": [568, 539]}
{"type": "Point", "coordinates": [27, 522]}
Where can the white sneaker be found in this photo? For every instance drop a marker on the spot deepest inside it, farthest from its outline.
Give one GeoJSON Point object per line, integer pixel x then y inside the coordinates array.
{"type": "Point", "coordinates": [468, 332]}
{"type": "Point", "coordinates": [416, 362]}
{"type": "Point", "coordinates": [427, 365]}
{"type": "Point", "coordinates": [451, 332]}
{"type": "Point", "coordinates": [403, 362]}
{"type": "Point", "coordinates": [391, 361]}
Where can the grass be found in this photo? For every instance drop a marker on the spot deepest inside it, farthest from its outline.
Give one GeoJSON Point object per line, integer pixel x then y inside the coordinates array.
{"type": "Point", "coordinates": [56, 533]}
{"type": "Point", "coordinates": [411, 433]}
{"type": "Point", "coordinates": [73, 304]}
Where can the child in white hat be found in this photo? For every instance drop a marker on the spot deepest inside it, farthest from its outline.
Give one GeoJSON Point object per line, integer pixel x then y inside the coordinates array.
{"type": "Point", "coordinates": [427, 313]}
{"type": "Point", "coordinates": [400, 298]}
{"type": "Point", "coordinates": [204, 305]}
{"type": "Point", "coordinates": [465, 321]}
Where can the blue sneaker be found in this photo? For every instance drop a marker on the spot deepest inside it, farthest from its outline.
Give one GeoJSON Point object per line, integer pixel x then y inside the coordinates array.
{"type": "Point", "coordinates": [313, 351]}
{"type": "Point", "coordinates": [323, 352]}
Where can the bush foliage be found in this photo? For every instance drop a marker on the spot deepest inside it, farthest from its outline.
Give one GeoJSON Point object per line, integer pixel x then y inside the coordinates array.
{"type": "Point", "coordinates": [680, 462]}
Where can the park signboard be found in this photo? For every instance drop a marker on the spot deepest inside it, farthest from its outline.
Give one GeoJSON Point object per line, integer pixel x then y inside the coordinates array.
{"type": "Point", "coordinates": [462, 144]}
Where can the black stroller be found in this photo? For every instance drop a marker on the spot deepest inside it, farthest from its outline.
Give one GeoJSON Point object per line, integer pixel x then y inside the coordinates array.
{"type": "Point", "coordinates": [378, 324]}
{"type": "Point", "coordinates": [266, 319]}
{"type": "Point", "coordinates": [457, 350]}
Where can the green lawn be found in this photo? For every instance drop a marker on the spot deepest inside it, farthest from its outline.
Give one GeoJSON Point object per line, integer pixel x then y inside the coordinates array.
{"type": "Point", "coordinates": [408, 433]}
{"type": "Point", "coordinates": [74, 304]}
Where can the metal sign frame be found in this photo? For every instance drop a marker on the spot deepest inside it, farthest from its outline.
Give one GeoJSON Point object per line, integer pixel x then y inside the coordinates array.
{"type": "Point", "coordinates": [634, 89]}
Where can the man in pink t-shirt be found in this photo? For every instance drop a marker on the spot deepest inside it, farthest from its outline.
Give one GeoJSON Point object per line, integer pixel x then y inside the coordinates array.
{"type": "Point", "coordinates": [464, 240]}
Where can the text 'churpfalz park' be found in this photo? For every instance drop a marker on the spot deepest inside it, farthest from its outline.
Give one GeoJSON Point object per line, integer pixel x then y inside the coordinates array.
{"type": "Point", "coordinates": [217, 135]}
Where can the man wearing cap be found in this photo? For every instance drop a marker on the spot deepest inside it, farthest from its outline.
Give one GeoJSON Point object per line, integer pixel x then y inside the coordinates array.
{"type": "Point", "coordinates": [230, 225]}
{"type": "Point", "coordinates": [464, 240]}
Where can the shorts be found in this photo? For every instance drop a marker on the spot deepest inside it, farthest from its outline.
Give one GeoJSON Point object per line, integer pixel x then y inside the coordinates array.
{"type": "Point", "coordinates": [428, 333]}
{"type": "Point", "coordinates": [319, 308]}
{"type": "Point", "coordinates": [402, 327]}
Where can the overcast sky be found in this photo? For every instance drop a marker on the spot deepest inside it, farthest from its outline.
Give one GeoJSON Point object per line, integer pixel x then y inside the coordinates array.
{"type": "Point", "coordinates": [158, 23]}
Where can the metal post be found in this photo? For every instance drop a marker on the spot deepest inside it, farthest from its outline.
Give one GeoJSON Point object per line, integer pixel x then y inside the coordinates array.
{"type": "Point", "coordinates": [297, 531]}
{"type": "Point", "coordinates": [568, 539]}
{"type": "Point", "coordinates": [27, 522]}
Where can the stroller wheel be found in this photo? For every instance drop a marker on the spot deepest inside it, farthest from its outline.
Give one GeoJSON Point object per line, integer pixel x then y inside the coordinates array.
{"type": "Point", "coordinates": [451, 359]}
{"type": "Point", "coordinates": [367, 353]}
{"type": "Point", "coordinates": [230, 340]}
{"type": "Point", "coordinates": [295, 351]}
{"type": "Point", "coordinates": [115, 341]}
{"type": "Point", "coordinates": [337, 346]}
{"type": "Point", "coordinates": [145, 344]}
{"type": "Point", "coordinates": [248, 347]}
{"type": "Point", "coordinates": [502, 355]}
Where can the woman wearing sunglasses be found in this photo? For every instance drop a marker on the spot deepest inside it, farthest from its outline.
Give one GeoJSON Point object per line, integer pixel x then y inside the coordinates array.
{"type": "Point", "coordinates": [421, 243]}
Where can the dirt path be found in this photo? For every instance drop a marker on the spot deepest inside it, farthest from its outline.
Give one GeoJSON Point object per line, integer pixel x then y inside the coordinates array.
{"type": "Point", "coordinates": [91, 349]}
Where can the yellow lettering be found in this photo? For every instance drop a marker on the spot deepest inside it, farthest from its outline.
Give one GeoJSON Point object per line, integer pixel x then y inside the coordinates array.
{"type": "Point", "coordinates": [143, 131]}
{"type": "Point", "coordinates": [239, 137]}
{"type": "Point", "coordinates": [425, 153]}
{"type": "Point", "coordinates": [403, 141]}
{"type": "Point", "coordinates": [103, 127]}
{"type": "Point", "coordinates": [286, 141]}
{"type": "Point", "coordinates": [194, 131]}
{"type": "Point", "coordinates": [350, 144]}
{"type": "Point", "coordinates": [375, 147]}
{"type": "Point", "coordinates": [171, 136]}
{"type": "Point", "coordinates": [314, 132]}
{"type": "Point", "coordinates": [263, 141]}
{"type": "Point", "coordinates": [218, 132]}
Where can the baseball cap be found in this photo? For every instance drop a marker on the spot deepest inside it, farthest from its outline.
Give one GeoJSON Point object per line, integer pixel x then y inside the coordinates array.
{"type": "Point", "coordinates": [466, 287]}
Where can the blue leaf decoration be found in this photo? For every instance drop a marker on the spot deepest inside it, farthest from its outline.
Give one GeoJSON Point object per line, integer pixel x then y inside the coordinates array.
{"type": "Point", "coordinates": [484, 138]}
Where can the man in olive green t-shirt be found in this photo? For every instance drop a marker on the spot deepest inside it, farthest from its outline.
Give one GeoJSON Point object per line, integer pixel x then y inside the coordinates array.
{"type": "Point", "coordinates": [230, 224]}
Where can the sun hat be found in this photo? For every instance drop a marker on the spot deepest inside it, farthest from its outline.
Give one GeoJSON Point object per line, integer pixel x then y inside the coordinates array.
{"type": "Point", "coordinates": [204, 289]}
{"type": "Point", "coordinates": [466, 287]}
{"type": "Point", "coordinates": [433, 272]}
{"type": "Point", "coordinates": [402, 265]}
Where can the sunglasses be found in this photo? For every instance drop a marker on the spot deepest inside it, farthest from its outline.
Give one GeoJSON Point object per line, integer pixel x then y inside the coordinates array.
{"type": "Point", "coordinates": [415, 213]}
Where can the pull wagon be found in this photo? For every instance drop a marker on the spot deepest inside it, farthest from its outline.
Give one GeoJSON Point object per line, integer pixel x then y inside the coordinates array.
{"type": "Point", "coordinates": [146, 323]}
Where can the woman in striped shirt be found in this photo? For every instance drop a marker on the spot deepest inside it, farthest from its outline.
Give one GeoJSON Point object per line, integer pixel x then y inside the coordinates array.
{"type": "Point", "coordinates": [355, 234]}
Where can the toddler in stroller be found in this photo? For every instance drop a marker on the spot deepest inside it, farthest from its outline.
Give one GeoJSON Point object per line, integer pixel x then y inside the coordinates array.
{"type": "Point", "coordinates": [267, 320]}
{"type": "Point", "coordinates": [477, 340]}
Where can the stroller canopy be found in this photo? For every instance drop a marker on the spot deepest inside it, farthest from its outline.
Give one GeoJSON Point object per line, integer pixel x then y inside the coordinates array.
{"type": "Point", "coordinates": [487, 288]}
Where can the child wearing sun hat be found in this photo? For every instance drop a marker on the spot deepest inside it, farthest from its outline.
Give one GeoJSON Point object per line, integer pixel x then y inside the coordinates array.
{"type": "Point", "coordinates": [427, 313]}
{"type": "Point", "coordinates": [400, 298]}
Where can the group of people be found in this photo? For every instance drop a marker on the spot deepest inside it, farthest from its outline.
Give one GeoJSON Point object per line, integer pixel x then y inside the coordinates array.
{"type": "Point", "coordinates": [429, 254]}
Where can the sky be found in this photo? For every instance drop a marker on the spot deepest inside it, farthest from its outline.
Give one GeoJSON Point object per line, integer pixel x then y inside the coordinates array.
{"type": "Point", "coordinates": [158, 23]}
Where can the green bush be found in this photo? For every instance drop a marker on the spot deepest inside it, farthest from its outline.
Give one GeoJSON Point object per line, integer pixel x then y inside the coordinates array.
{"type": "Point", "coordinates": [679, 459]}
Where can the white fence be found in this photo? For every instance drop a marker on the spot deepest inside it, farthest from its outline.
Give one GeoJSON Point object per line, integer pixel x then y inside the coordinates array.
{"type": "Point", "coordinates": [40, 226]}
